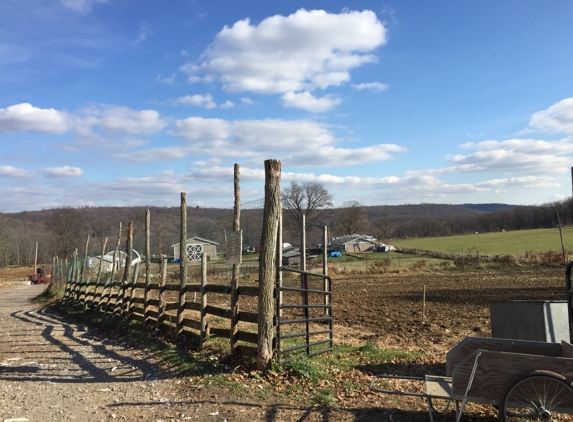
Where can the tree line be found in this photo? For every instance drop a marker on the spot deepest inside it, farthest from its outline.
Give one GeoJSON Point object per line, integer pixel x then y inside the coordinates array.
{"type": "Point", "coordinates": [60, 231]}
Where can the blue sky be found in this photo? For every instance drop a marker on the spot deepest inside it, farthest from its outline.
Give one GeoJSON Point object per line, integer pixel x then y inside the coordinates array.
{"type": "Point", "coordinates": [129, 102]}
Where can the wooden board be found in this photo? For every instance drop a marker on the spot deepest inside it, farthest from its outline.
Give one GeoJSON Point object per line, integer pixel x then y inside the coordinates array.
{"type": "Point", "coordinates": [470, 344]}
{"type": "Point", "coordinates": [439, 387]}
{"type": "Point", "coordinates": [497, 371]}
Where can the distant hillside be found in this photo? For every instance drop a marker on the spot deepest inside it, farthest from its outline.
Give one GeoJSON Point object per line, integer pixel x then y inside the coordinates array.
{"type": "Point", "coordinates": [419, 210]}
{"type": "Point", "coordinates": [19, 232]}
{"type": "Point", "coordinates": [488, 207]}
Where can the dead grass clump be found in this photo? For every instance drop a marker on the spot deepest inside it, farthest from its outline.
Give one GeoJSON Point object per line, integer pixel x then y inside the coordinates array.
{"type": "Point", "coordinates": [379, 266]}
{"type": "Point", "coordinates": [550, 259]}
{"type": "Point", "coordinates": [509, 260]}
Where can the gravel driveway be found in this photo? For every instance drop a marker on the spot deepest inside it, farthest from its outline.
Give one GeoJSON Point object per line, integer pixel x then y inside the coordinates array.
{"type": "Point", "coordinates": [52, 369]}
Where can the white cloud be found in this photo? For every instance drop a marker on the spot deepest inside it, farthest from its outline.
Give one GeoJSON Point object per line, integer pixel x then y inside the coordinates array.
{"type": "Point", "coordinates": [9, 171]}
{"type": "Point", "coordinates": [514, 155]}
{"type": "Point", "coordinates": [144, 32]}
{"type": "Point", "coordinates": [372, 86]}
{"type": "Point", "coordinates": [169, 80]}
{"type": "Point", "coordinates": [302, 51]}
{"type": "Point", "coordinates": [63, 172]}
{"type": "Point", "coordinates": [204, 101]}
{"type": "Point", "coordinates": [227, 104]}
{"type": "Point", "coordinates": [153, 155]}
{"type": "Point", "coordinates": [297, 142]}
{"type": "Point", "coordinates": [306, 101]}
{"type": "Point", "coordinates": [115, 119]}
{"type": "Point", "coordinates": [247, 101]}
{"type": "Point", "coordinates": [557, 118]}
{"type": "Point", "coordinates": [81, 6]}
{"type": "Point", "coordinates": [27, 118]}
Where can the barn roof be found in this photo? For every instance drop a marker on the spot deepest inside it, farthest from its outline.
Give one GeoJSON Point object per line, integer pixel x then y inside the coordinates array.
{"type": "Point", "coordinates": [342, 240]}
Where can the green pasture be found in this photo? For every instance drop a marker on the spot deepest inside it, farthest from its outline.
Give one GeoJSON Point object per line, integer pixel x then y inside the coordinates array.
{"type": "Point", "coordinates": [517, 242]}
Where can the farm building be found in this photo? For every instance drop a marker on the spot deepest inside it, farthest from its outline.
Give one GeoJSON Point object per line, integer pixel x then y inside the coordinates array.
{"type": "Point", "coordinates": [291, 258]}
{"type": "Point", "coordinates": [353, 243]}
{"type": "Point", "coordinates": [108, 261]}
{"type": "Point", "coordinates": [196, 247]}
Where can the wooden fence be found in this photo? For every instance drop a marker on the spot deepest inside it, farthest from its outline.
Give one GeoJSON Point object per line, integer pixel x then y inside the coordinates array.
{"type": "Point", "coordinates": [133, 300]}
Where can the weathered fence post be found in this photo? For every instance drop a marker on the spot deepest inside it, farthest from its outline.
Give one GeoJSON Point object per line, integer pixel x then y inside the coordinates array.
{"type": "Point", "coordinates": [236, 267]}
{"type": "Point", "coordinates": [82, 274]}
{"type": "Point", "coordinates": [182, 265]}
{"type": "Point", "coordinates": [147, 268]}
{"type": "Point", "coordinates": [77, 280]}
{"type": "Point", "coordinates": [204, 327]}
{"type": "Point", "coordinates": [267, 264]}
{"type": "Point", "coordinates": [54, 269]}
{"type": "Point", "coordinates": [122, 294]}
{"type": "Point", "coordinates": [280, 262]}
{"type": "Point", "coordinates": [113, 264]}
{"type": "Point", "coordinates": [98, 277]}
{"type": "Point", "coordinates": [36, 260]}
{"type": "Point", "coordinates": [132, 291]}
{"type": "Point", "coordinates": [161, 302]}
{"type": "Point", "coordinates": [69, 284]}
{"type": "Point", "coordinates": [325, 283]}
{"type": "Point", "coordinates": [303, 277]}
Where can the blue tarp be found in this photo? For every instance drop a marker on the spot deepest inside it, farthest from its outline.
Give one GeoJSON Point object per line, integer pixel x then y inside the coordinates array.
{"type": "Point", "coordinates": [334, 254]}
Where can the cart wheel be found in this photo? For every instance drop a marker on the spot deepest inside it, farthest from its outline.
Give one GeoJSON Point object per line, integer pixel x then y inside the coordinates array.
{"type": "Point", "coordinates": [440, 405]}
{"type": "Point", "coordinates": [542, 395]}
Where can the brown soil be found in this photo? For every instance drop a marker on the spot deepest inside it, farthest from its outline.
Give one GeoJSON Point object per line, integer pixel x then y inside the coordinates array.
{"type": "Point", "coordinates": [52, 369]}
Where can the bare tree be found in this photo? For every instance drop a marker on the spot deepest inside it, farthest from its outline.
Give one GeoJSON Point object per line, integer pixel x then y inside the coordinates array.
{"type": "Point", "coordinates": [311, 199]}
{"type": "Point", "coordinates": [384, 222]}
{"type": "Point", "coordinates": [352, 217]}
{"type": "Point", "coordinates": [68, 225]}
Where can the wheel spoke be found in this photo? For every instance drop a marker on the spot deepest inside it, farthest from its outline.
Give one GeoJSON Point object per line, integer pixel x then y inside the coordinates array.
{"type": "Point", "coordinates": [542, 396]}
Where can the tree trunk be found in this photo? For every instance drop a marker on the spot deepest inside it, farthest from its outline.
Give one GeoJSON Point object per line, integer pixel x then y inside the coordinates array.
{"type": "Point", "coordinates": [267, 264]}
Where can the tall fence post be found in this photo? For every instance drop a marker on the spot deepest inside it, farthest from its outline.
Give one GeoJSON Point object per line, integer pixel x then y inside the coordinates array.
{"type": "Point", "coordinates": [83, 271]}
{"type": "Point", "coordinates": [204, 326]}
{"type": "Point", "coordinates": [182, 265]}
{"type": "Point", "coordinates": [132, 291]}
{"type": "Point", "coordinates": [98, 277]}
{"type": "Point", "coordinates": [279, 264]}
{"type": "Point", "coordinates": [267, 263]}
{"type": "Point", "coordinates": [77, 281]}
{"type": "Point", "coordinates": [115, 261]}
{"type": "Point", "coordinates": [54, 271]}
{"type": "Point", "coordinates": [69, 278]}
{"type": "Point", "coordinates": [325, 282]}
{"type": "Point", "coordinates": [236, 267]}
{"type": "Point", "coordinates": [36, 260]}
{"type": "Point", "coordinates": [303, 277]}
{"type": "Point", "coordinates": [147, 268]}
{"type": "Point", "coordinates": [161, 302]}
{"type": "Point", "coordinates": [121, 295]}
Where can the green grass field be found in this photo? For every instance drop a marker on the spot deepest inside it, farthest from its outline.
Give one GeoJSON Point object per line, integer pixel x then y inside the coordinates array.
{"type": "Point", "coordinates": [500, 243]}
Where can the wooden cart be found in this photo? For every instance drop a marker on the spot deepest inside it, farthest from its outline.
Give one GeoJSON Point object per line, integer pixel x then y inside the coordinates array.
{"type": "Point", "coordinates": [526, 380]}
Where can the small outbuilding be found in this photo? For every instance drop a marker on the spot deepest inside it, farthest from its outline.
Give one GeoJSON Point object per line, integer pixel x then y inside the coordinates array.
{"type": "Point", "coordinates": [291, 258]}
{"type": "Point", "coordinates": [354, 243]}
{"type": "Point", "coordinates": [109, 261]}
{"type": "Point", "coordinates": [196, 247]}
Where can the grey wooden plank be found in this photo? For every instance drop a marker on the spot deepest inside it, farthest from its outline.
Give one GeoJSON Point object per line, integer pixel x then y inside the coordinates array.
{"type": "Point", "coordinates": [439, 387]}
{"type": "Point", "coordinates": [470, 344]}
{"type": "Point", "coordinates": [497, 371]}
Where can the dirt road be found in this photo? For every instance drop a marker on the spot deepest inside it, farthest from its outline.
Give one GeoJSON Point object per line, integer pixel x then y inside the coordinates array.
{"type": "Point", "coordinates": [52, 369]}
